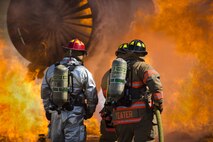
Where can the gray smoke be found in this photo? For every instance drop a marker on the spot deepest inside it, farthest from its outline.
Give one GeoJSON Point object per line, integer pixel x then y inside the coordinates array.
{"type": "Point", "coordinates": [112, 22]}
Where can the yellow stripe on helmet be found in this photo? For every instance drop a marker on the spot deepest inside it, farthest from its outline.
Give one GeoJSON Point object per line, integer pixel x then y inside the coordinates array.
{"type": "Point", "coordinates": [143, 45]}
{"type": "Point", "coordinates": [139, 44]}
{"type": "Point", "coordinates": [125, 46]}
{"type": "Point", "coordinates": [132, 43]}
{"type": "Point", "coordinates": [72, 40]}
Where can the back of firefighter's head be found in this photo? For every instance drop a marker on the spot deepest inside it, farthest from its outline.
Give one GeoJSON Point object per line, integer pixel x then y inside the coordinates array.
{"type": "Point", "coordinates": [137, 47]}
{"type": "Point", "coordinates": [122, 50]}
{"type": "Point", "coordinates": [75, 48]}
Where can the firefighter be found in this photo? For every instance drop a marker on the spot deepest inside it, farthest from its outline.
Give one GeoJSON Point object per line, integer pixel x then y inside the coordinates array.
{"type": "Point", "coordinates": [133, 114]}
{"type": "Point", "coordinates": [69, 95]}
{"type": "Point", "coordinates": [107, 129]}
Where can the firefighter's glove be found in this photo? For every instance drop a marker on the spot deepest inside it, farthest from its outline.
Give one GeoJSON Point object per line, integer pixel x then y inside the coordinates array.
{"type": "Point", "coordinates": [52, 107]}
{"type": "Point", "coordinates": [159, 106]}
{"type": "Point", "coordinates": [102, 114]}
{"type": "Point", "coordinates": [106, 116]}
{"type": "Point", "coordinates": [109, 124]}
{"type": "Point", "coordinates": [48, 115]}
{"type": "Point", "coordinates": [68, 107]}
{"type": "Point", "coordinates": [108, 121]}
{"type": "Point", "coordinates": [89, 111]}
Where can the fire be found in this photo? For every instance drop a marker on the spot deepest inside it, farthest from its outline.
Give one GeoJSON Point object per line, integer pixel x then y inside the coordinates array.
{"type": "Point", "coordinates": [21, 118]}
{"type": "Point", "coordinates": [92, 126]}
{"type": "Point", "coordinates": [181, 29]}
{"type": "Point", "coordinates": [189, 23]}
{"type": "Point", "coordinates": [22, 115]}
{"type": "Point", "coordinates": [178, 38]}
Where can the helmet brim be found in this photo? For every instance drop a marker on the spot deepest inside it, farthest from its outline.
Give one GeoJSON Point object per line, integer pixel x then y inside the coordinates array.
{"type": "Point", "coordinates": [120, 52]}
{"type": "Point", "coordinates": [67, 48]}
{"type": "Point", "coordinates": [143, 53]}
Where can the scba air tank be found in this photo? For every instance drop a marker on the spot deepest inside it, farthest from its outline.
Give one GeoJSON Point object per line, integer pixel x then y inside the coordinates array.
{"type": "Point", "coordinates": [59, 85]}
{"type": "Point", "coordinates": [117, 79]}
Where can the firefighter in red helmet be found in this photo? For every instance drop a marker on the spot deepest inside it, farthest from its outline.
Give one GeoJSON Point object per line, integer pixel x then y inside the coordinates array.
{"type": "Point", "coordinates": [69, 95]}
{"type": "Point", "coordinates": [76, 45]}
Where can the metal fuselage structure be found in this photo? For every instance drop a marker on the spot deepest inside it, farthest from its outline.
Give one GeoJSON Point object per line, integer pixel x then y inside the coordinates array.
{"type": "Point", "coordinates": [39, 29]}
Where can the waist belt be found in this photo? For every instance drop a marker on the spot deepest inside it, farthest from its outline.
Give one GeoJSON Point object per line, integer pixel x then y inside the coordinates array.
{"type": "Point", "coordinates": [77, 100]}
{"type": "Point", "coordinates": [78, 104]}
{"type": "Point", "coordinates": [112, 130]}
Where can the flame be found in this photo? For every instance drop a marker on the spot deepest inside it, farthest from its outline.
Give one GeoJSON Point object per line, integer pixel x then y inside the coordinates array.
{"type": "Point", "coordinates": [189, 23]}
{"type": "Point", "coordinates": [178, 38]}
{"type": "Point", "coordinates": [21, 116]}
{"type": "Point", "coordinates": [180, 32]}
{"type": "Point", "coordinates": [92, 126]}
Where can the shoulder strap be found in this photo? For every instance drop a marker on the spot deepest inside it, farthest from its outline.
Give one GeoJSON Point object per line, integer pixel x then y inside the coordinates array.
{"type": "Point", "coordinates": [129, 79]}
{"type": "Point", "coordinates": [71, 68]}
{"type": "Point", "coordinates": [108, 82]}
{"type": "Point", "coordinates": [70, 79]}
{"type": "Point", "coordinates": [129, 75]}
{"type": "Point", "coordinates": [57, 63]}
{"type": "Point", "coordinates": [108, 79]}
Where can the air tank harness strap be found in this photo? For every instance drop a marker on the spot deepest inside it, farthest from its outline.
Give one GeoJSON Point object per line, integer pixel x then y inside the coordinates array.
{"type": "Point", "coordinates": [77, 100]}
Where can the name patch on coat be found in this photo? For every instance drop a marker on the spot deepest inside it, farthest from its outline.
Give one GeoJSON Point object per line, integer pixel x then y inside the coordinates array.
{"type": "Point", "coordinates": [124, 114]}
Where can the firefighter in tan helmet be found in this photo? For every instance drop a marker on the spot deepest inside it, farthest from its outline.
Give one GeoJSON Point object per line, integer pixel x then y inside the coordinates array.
{"type": "Point", "coordinates": [69, 95]}
{"type": "Point", "coordinates": [106, 128]}
{"type": "Point", "coordinates": [133, 114]}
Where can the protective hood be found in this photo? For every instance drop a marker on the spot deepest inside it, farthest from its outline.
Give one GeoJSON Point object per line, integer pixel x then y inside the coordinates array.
{"type": "Point", "coordinates": [71, 61]}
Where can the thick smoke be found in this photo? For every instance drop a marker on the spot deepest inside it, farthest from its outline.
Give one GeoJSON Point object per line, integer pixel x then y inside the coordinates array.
{"type": "Point", "coordinates": [178, 38]}
{"type": "Point", "coordinates": [112, 22]}
{"type": "Point", "coordinates": [189, 24]}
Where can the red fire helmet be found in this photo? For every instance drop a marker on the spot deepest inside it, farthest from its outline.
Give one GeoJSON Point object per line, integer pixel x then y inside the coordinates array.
{"type": "Point", "coordinates": [76, 44]}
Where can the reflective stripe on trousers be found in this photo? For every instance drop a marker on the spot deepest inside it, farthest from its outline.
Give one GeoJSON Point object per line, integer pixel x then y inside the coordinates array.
{"type": "Point", "coordinates": [110, 129]}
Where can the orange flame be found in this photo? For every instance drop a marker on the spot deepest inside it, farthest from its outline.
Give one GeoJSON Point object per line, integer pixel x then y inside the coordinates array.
{"type": "Point", "coordinates": [189, 23]}
{"type": "Point", "coordinates": [180, 32]}
{"type": "Point", "coordinates": [21, 117]}
{"type": "Point", "coordinates": [92, 126]}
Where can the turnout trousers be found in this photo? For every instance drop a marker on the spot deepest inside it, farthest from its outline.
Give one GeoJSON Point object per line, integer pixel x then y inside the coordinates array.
{"type": "Point", "coordinates": [107, 134]}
